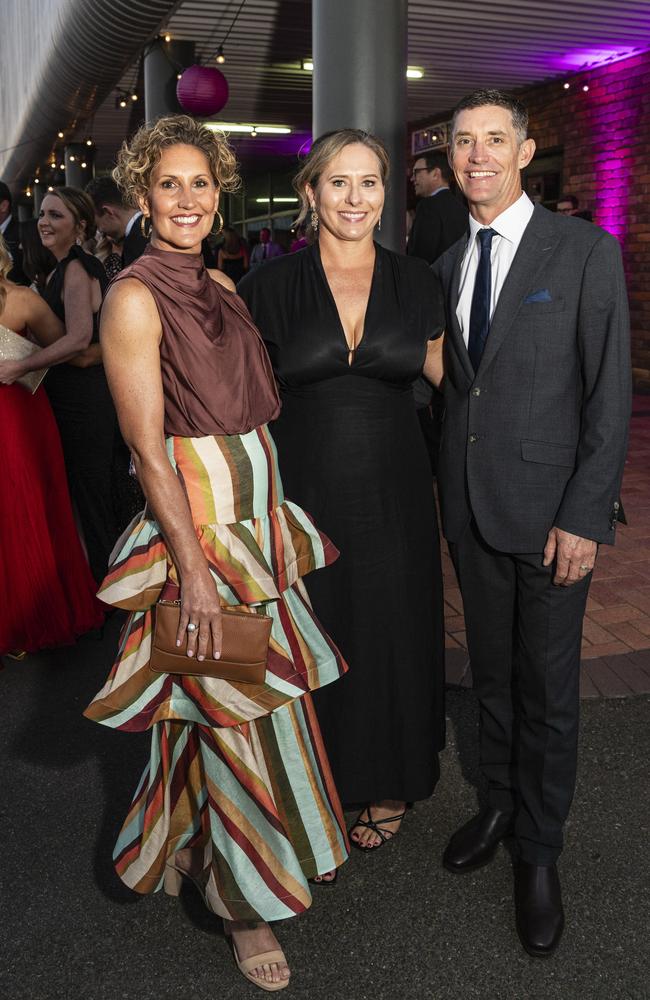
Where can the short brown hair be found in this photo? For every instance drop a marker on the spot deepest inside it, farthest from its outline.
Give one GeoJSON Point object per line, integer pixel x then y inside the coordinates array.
{"type": "Point", "coordinates": [485, 98]}
{"type": "Point", "coordinates": [324, 149]}
{"type": "Point", "coordinates": [80, 205]}
{"type": "Point", "coordinates": [137, 158]}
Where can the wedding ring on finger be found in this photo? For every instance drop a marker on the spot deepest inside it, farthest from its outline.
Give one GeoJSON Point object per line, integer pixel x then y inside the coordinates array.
{"type": "Point", "coordinates": [191, 627]}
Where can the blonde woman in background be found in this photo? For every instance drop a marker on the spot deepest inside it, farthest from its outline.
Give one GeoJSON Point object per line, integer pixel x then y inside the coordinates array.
{"type": "Point", "coordinates": [47, 594]}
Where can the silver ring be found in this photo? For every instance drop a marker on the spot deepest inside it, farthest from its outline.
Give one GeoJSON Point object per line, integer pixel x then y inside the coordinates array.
{"type": "Point", "coordinates": [191, 627]}
{"type": "Point", "coordinates": [585, 569]}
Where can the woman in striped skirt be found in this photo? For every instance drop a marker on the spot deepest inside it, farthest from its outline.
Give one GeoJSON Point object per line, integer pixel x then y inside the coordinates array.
{"type": "Point", "coordinates": [237, 794]}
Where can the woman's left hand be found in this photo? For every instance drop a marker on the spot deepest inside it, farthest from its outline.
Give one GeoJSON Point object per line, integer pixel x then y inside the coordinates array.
{"type": "Point", "coordinates": [10, 371]}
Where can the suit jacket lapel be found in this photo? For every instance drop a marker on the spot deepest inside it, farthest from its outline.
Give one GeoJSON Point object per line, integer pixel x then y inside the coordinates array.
{"type": "Point", "coordinates": [533, 254]}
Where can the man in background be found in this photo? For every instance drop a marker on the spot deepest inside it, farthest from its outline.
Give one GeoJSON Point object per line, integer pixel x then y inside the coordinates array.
{"type": "Point", "coordinates": [120, 222]}
{"type": "Point", "coordinates": [265, 249]}
{"type": "Point", "coordinates": [440, 220]}
{"type": "Point", "coordinates": [569, 205]}
{"type": "Point", "coordinates": [10, 233]}
{"type": "Point", "coordinates": [440, 217]}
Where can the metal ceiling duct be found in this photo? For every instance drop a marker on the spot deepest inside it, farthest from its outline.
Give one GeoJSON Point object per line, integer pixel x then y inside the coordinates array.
{"type": "Point", "coordinates": [67, 56]}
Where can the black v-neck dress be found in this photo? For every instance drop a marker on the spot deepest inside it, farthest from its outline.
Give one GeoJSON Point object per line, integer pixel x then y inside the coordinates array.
{"type": "Point", "coordinates": [352, 454]}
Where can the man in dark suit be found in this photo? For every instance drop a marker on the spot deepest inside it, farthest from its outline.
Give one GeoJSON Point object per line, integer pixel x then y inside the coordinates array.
{"type": "Point", "coordinates": [440, 217]}
{"type": "Point", "coordinates": [537, 394]}
{"type": "Point", "coordinates": [118, 221]}
{"type": "Point", "coordinates": [10, 232]}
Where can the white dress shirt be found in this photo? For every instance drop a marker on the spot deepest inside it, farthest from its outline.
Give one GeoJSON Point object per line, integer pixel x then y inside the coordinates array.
{"type": "Point", "coordinates": [3, 225]}
{"type": "Point", "coordinates": [509, 227]}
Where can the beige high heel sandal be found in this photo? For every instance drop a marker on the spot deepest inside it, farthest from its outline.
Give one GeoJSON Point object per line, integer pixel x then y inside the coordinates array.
{"type": "Point", "coordinates": [248, 964]}
{"type": "Point", "coordinates": [172, 884]}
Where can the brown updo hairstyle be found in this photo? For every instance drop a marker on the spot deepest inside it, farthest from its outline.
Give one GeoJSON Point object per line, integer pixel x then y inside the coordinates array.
{"type": "Point", "coordinates": [323, 151]}
{"type": "Point", "coordinates": [137, 158]}
{"type": "Point", "coordinates": [80, 205]}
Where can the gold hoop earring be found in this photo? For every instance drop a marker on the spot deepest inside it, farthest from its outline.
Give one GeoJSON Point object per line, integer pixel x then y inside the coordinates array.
{"type": "Point", "coordinates": [143, 226]}
{"type": "Point", "coordinates": [314, 219]}
{"type": "Point", "coordinates": [216, 232]}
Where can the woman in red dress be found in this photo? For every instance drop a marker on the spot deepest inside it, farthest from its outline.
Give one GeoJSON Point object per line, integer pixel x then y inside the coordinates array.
{"type": "Point", "coordinates": [46, 589]}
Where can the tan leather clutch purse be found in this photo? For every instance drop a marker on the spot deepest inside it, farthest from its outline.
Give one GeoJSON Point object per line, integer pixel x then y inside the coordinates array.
{"type": "Point", "coordinates": [244, 648]}
{"type": "Point", "coordinates": [13, 347]}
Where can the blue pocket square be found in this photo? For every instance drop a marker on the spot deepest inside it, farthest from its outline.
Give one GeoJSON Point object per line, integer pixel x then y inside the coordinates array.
{"type": "Point", "coordinates": [543, 295]}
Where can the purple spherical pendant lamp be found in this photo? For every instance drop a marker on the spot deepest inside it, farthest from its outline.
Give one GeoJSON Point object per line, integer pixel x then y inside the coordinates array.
{"type": "Point", "coordinates": [202, 90]}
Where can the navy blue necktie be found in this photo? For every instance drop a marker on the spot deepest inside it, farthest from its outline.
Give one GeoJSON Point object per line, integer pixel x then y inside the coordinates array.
{"type": "Point", "coordinates": [479, 317]}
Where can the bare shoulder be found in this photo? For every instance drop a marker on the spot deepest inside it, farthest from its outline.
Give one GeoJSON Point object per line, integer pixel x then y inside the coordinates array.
{"type": "Point", "coordinates": [222, 279]}
{"type": "Point", "coordinates": [129, 310]}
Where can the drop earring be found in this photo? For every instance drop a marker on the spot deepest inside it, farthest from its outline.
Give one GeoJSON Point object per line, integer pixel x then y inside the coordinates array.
{"type": "Point", "coordinates": [314, 219]}
{"type": "Point", "coordinates": [379, 225]}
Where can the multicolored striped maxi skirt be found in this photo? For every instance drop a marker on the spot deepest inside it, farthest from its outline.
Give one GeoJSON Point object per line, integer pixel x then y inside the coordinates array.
{"type": "Point", "coordinates": [237, 771]}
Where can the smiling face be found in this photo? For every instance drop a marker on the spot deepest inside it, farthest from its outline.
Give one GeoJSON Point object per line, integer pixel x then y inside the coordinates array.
{"type": "Point", "coordinates": [487, 158]}
{"type": "Point", "coordinates": [182, 200]}
{"type": "Point", "coordinates": [349, 196]}
{"type": "Point", "coordinates": [58, 227]}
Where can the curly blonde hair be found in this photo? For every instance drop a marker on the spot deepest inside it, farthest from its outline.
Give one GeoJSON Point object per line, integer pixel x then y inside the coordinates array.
{"type": "Point", "coordinates": [323, 151]}
{"type": "Point", "coordinates": [137, 158]}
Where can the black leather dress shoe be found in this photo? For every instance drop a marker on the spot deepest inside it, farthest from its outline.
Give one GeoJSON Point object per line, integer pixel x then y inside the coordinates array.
{"type": "Point", "coordinates": [538, 907]}
{"type": "Point", "coordinates": [475, 844]}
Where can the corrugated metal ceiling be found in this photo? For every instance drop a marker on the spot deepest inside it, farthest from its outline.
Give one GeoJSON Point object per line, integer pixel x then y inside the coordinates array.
{"type": "Point", "coordinates": [459, 44]}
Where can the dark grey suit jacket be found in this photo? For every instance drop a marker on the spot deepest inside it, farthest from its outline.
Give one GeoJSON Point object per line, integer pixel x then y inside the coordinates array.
{"type": "Point", "coordinates": [538, 436]}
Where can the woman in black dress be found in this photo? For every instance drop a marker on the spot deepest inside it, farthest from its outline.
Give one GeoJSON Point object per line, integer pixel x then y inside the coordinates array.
{"type": "Point", "coordinates": [77, 388]}
{"type": "Point", "coordinates": [347, 323]}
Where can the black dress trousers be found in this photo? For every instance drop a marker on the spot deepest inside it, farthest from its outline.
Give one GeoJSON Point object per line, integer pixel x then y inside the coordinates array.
{"type": "Point", "coordinates": [524, 637]}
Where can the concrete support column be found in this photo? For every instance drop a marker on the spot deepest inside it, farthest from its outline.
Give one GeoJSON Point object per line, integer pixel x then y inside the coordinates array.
{"type": "Point", "coordinates": [359, 48]}
{"type": "Point", "coordinates": [163, 61]}
{"type": "Point", "coordinates": [78, 164]}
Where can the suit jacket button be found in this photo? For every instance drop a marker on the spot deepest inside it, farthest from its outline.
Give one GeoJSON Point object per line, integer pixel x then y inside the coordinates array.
{"type": "Point", "coordinates": [476, 392]}
{"type": "Point", "coordinates": [473, 438]}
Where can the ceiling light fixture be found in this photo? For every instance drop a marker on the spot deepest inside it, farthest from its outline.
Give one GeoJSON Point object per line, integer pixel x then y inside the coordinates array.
{"type": "Point", "coordinates": [220, 57]}
{"type": "Point", "coordinates": [414, 73]}
{"type": "Point", "coordinates": [307, 65]}
{"type": "Point", "coordinates": [241, 127]}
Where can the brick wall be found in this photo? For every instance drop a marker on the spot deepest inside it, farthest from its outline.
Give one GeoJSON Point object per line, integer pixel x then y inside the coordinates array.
{"type": "Point", "coordinates": [605, 136]}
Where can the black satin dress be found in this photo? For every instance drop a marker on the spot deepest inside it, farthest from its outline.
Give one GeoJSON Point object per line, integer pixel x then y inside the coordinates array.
{"type": "Point", "coordinates": [87, 423]}
{"type": "Point", "coordinates": [352, 454]}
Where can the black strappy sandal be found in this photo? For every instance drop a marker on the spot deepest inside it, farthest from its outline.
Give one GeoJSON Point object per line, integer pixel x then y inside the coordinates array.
{"type": "Point", "coordinates": [370, 824]}
{"type": "Point", "coordinates": [323, 882]}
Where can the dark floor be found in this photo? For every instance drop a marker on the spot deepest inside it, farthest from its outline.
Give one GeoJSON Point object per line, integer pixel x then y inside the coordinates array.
{"type": "Point", "coordinates": [397, 925]}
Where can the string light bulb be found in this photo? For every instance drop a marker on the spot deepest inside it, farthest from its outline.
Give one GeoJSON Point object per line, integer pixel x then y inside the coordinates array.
{"type": "Point", "coordinates": [60, 135]}
{"type": "Point", "coordinates": [134, 96]}
{"type": "Point", "coordinates": [254, 132]}
{"type": "Point", "coordinates": [168, 37]}
{"type": "Point", "coordinates": [84, 164]}
{"type": "Point", "coordinates": [72, 158]}
{"type": "Point", "coordinates": [122, 102]}
{"type": "Point", "coordinates": [89, 142]}
{"type": "Point", "coordinates": [566, 86]}
{"type": "Point", "coordinates": [586, 88]}
{"type": "Point", "coordinates": [220, 56]}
